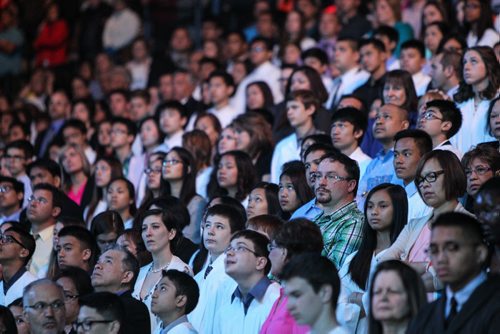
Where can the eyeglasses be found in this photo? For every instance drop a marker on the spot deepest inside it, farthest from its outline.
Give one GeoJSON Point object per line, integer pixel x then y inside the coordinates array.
{"type": "Point", "coordinates": [429, 116]}
{"type": "Point", "coordinates": [330, 177]}
{"type": "Point", "coordinates": [5, 189]}
{"type": "Point", "coordinates": [41, 306]}
{"type": "Point", "coordinates": [240, 249]}
{"type": "Point", "coordinates": [172, 162]}
{"type": "Point", "coordinates": [429, 177]}
{"type": "Point", "coordinates": [479, 170]}
{"type": "Point", "coordinates": [87, 324]}
{"type": "Point", "coordinates": [14, 157]}
{"type": "Point", "coordinates": [257, 49]}
{"type": "Point", "coordinates": [118, 131]}
{"type": "Point", "coordinates": [148, 171]}
{"type": "Point", "coordinates": [8, 239]}
{"type": "Point", "coordinates": [40, 200]}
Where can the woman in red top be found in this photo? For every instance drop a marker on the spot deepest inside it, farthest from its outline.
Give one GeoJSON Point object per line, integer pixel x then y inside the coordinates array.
{"type": "Point", "coordinates": [52, 41]}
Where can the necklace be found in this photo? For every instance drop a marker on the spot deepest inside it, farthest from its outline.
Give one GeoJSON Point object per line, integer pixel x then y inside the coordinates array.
{"type": "Point", "coordinates": [159, 269]}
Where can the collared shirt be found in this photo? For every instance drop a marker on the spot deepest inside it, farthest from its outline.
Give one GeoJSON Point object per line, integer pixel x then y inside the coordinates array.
{"type": "Point", "coordinates": [447, 146]}
{"type": "Point", "coordinates": [257, 292]}
{"type": "Point", "coordinates": [421, 81]}
{"type": "Point", "coordinates": [174, 323]}
{"type": "Point", "coordinates": [341, 232]}
{"type": "Point", "coordinates": [416, 205]}
{"type": "Point", "coordinates": [43, 249]}
{"type": "Point", "coordinates": [12, 217]}
{"type": "Point", "coordinates": [380, 170]}
{"type": "Point", "coordinates": [463, 295]}
{"type": "Point", "coordinates": [348, 82]}
{"type": "Point", "coordinates": [225, 115]}
{"type": "Point", "coordinates": [362, 159]}
{"type": "Point", "coordinates": [309, 210]}
{"type": "Point", "coordinates": [13, 279]}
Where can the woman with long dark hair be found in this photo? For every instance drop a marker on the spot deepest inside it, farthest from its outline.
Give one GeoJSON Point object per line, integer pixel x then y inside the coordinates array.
{"type": "Point", "coordinates": [179, 180]}
{"type": "Point", "coordinates": [479, 85]}
{"type": "Point", "coordinates": [263, 200]}
{"type": "Point", "coordinates": [478, 23]}
{"type": "Point", "coordinates": [153, 177]}
{"type": "Point", "coordinates": [386, 213]}
{"type": "Point", "coordinates": [121, 198]}
{"type": "Point", "coordinates": [259, 96]}
{"type": "Point", "coordinates": [294, 190]}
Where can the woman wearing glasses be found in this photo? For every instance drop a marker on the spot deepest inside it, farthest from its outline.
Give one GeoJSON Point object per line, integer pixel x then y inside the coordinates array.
{"type": "Point", "coordinates": [179, 180]}
{"type": "Point", "coordinates": [440, 181]}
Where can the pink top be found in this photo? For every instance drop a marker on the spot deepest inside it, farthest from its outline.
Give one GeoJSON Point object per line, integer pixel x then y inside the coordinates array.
{"type": "Point", "coordinates": [417, 252]}
{"type": "Point", "coordinates": [280, 320]}
{"type": "Point", "coordinates": [77, 196]}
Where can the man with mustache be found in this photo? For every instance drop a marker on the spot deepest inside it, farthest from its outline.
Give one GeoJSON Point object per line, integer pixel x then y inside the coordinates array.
{"type": "Point", "coordinates": [340, 223]}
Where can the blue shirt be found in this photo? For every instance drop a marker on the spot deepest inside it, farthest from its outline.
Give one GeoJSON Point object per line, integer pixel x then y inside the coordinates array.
{"type": "Point", "coordinates": [308, 210]}
{"type": "Point", "coordinates": [380, 170]}
{"type": "Point", "coordinates": [257, 292]}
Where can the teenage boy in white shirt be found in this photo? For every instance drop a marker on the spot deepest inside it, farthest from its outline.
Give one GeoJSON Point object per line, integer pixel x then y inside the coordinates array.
{"type": "Point", "coordinates": [172, 117]}
{"type": "Point", "coordinates": [221, 221]}
{"type": "Point", "coordinates": [248, 306]}
{"type": "Point", "coordinates": [221, 88]}
{"type": "Point", "coordinates": [412, 59]}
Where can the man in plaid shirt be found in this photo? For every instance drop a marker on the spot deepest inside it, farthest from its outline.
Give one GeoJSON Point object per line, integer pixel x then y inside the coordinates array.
{"type": "Point", "coordinates": [341, 221]}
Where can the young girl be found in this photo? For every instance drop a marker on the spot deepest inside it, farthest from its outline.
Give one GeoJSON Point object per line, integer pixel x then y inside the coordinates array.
{"type": "Point", "coordinates": [179, 180]}
{"type": "Point", "coordinates": [263, 200]}
{"type": "Point", "coordinates": [121, 198]}
{"type": "Point", "coordinates": [153, 177]}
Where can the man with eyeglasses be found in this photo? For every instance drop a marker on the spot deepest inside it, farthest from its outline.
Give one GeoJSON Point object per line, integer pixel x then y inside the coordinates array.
{"type": "Point", "coordinates": [11, 199]}
{"type": "Point", "coordinates": [245, 309]}
{"type": "Point", "coordinates": [43, 209]}
{"type": "Point", "coordinates": [43, 302]}
{"type": "Point", "coordinates": [101, 312]}
{"type": "Point", "coordinates": [341, 221]}
{"type": "Point", "coordinates": [16, 248]}
{"type": "Point", "coordinates": [18, 155]}
{"type": "Point", "coordinates": [441, 120]}
{"type": "Point", "coordinates": [470, 302]}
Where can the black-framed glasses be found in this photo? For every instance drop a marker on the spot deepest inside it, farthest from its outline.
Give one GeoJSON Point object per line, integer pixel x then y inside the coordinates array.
{"type": "Point", "coordinates": [240, 249]}
{"type": "Point", "coordinates": [39, 200]}
{"type": "Point", "coordinates": [429, 116]}
{"type": "Point", "coordinates": [429, 177]}
{"type": "Point", "coordinates": [8, 239]}
{"type": "Point", "coordinates": [41, 306]}
{"type": "Point", "coordinates": [479, 170]}
{"type": "Point", "coordinates": [87, 324]}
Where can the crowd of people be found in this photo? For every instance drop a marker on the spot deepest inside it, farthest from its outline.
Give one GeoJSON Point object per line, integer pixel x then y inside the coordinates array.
{"type": "Point", "coordinates": [287, 166]}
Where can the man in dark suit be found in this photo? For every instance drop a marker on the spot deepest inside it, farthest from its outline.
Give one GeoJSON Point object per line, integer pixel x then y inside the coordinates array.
{"type": "Point", "coordinates": [116, 272]}
{"type": "Point", "coordinates": [470, 302]}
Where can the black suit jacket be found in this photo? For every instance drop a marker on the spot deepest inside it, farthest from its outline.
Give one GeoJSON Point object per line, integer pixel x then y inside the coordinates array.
{"type": "Point", "coordinates": [480, 314]}
{"type": "Point", "coordinates": [136, 315]}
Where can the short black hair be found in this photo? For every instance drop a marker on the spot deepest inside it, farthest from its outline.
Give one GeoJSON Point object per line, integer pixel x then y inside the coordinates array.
{"type": "Point", "coordinates": [319, 147]}
{"type": "Point", "coordinates": [259, 241]}
{"type": "Point", "coordinates": [353, 42]}
{"type": "Point", "coordinates": [47, 164]}
{"type": "Point", "coordinates": [376, 43]}
{"type": "Point", "coordinates": [317, 270]}
{"type": "Point", "coordinates": [129, 263]}
{"type": "Point", "coordinates": [75, 124]}
{"type": "Point", "coordinates": [18, 186]}
{"type": "Point", "coordinates": [108, 304]}
{"type": "Point", "coordinates": [354, 116]}
{"type": "Point", "coordinates": [422, 139]}
{"type": "Point", "coordinates": [469, 225]}
{"type": "Point", "coordinates": [414, 44]}
{"type": "Point", "coordinates": [226, 77]}
{"type": "Point", "coordinates": [26, 239]}
{"type": "Point", "coordinates": [450, 113]}
{"type": "Point", "coordinates": [124, 92]}
{"type": "Point", "coordinates": [57, 194]}
{"type": "Point", "coordinates": [175, 105]}
{"type": "Point", "coordinates": [266, 41]}
{"type": "Point", "coordinates": [131, 127]}
{"type": "Point", "coordinates": [22, 145]}
{"type": "Point", "coordinates": [185, 285]}
{"type": "Point", "coordinates": [142, 94]}
{"type": "Point", "coordinates": [315, 53]}
{"type": "Point", "coordinates": [235, 218]}
{"type": "Point", "coordinates": [86, 239]}
{"type": "Point", "coordinates": [388, 32]}
{"type": "Point", "coordinates": [79, 277]}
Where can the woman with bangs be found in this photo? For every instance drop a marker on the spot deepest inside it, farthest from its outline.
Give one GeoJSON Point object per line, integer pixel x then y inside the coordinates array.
{"type": "Point", "coordinates": [440, 181]}
{"type": "Point", "coordinates": [480, 85]}
{"type": "Point", "coordinates": [120, 197]}
{"type": "Point", "coordinates": [76, 174]}
{"type": "Point", "coordinates": [105, 170]}
{"type": "Point", "coordinates": [263, 200]}
{"type": "Point", "coordinates": [179, 180]}
{"type": "Point", "coordinates": [478, 23]}
{"type": "Point", "coordinates": [386, 213]}
{"type": "Point", "coordinates": [294, 190]}
{"type": "Point", "coordinates": [254, 137]}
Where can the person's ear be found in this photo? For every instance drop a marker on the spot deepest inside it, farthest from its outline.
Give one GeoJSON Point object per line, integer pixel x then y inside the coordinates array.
{"type": "Point", "coordinates": [114, 327]}
{"type": "Point", "coordinates": [358, 133]}
{"type": "Point", "coordinates": [180, 301]}
{"type": "Point", "coordinates": [325, 293]}
{"type": "Point", "coordinates": [172, 233]}
{"type": "Point", "coordinates": [57, 181]}
{"type": "Point", "coordinates": [261, 263]}
{"type": "Point", "coordinates": [481, 254]}
{"type": "Point", "coordinates": [351, 185]}
{"type": "Point", "coordinates": [20, 196]}
{"type": "Point", "coordinates": [86, 254]}
{"type": "Point", "coordinates": [130, 139]}
{"type": "Point", "coordinates": [448, 71]}
{"type": "Point", "coordinates": [310, 110]}
{"type": "Point", "coordinates": [184, 120]}
{"type": "Point", "coordinates": [229, 90]}
{"type": "Point", "coordinates": [405, 125]}
{"type": "Point", "coordinates": [56, 211]}
{"type": "Point", "coordinates": [127, 277]}
{"type": "Point", "coordinates": [24, 253]}
{"type": "Point", "coordinates": [446, 126]}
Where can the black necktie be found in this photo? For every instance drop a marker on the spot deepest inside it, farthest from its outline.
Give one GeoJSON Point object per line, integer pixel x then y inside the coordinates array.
{"type": "Point", "coordinates": [208, 270]}
{"type": "Point", "coordinates": [453, 311]}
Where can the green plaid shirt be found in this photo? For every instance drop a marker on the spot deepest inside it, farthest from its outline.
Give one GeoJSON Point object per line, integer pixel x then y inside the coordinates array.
{"type": "Point", "coordinates": [341, 232]}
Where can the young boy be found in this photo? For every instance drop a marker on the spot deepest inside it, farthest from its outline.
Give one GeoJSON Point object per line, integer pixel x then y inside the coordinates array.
{"type": "Point", "coordinates": [390, 120]}
{"type": "Point", "coordinates": [118, 101]}
{"type": "Point", "coordinates": [245, 308]}
{"type": "Point", "coordinates": [221, 221]}
{"type": "Point", "coordinates": [301, 107]}
{"type": "Point", "coordinates": [221, 88]}
{"type": "Point", "coordinates": [347, 131]}
{"type": "Point", "coordinates": [441, 120]}
{"type": "Point", "coordinates": [172, 117]}
{"type": "Point", "coordinates": [175, 296]}
{"type": "Point", "coordinates": [140, 105]}
{"type": "Point", "coordinates": [390, 37]}
{"type": "Point", "coordinates": [412, 59]}
{"type": "Point", "coordinates": [18, 154]}
{"type": "Point", "coordinates": [312, 286]}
